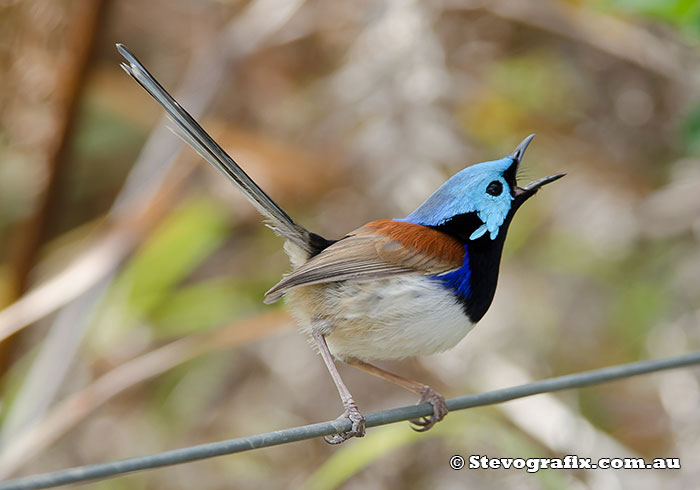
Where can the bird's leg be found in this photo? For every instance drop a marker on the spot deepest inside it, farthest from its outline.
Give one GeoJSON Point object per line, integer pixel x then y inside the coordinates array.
{"type": "Point", "coordinates": [427, 394]}
{"type": "Point", "coordinates": [351, 410]}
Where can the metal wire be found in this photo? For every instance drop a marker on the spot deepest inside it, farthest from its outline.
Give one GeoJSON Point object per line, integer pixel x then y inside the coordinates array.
{"type": "Point", "coordinates": [204, 451]}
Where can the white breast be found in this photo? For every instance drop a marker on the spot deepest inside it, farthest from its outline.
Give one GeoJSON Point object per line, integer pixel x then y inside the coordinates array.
{"type": "Point", "coordinates": [386, 319]}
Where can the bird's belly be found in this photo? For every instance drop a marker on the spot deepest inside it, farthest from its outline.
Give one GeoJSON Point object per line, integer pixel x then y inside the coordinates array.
{"type": "Point", "coordinates": [382, 319]}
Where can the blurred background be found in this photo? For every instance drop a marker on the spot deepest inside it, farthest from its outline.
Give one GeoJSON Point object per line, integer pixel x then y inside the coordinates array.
{"type": "Point", "coordinates": [139, 272]}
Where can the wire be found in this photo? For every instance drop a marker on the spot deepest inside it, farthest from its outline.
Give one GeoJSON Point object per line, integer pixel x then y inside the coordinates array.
{"type": "Point", "coordinates": [204, 451]}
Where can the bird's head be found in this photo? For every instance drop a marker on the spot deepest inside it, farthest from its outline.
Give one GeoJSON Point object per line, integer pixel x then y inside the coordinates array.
{"type": "Point", "coordinates": [486, 191]}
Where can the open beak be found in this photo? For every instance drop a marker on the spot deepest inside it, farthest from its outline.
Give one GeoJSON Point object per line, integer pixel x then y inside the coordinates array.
{"type": "Point", "coordinates": [529, 189]}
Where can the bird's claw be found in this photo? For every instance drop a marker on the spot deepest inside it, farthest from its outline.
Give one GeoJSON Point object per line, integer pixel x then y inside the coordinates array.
{"type": "Point", "coordinates": [357, 429]}
{"type": "Point", "coordinates": [428, 395]}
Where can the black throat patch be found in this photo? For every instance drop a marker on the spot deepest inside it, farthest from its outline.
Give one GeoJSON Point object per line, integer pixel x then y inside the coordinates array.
{"type": "Point", "coordinates": [484, 259]}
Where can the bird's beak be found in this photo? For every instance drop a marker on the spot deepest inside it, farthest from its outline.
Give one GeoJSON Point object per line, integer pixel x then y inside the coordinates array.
{"type": "Point", "coordinates": [519, 151]}
{"type": "Point", "coordinates": [536, 184]}
{"type": "Point", "coordinates": [532, 187]}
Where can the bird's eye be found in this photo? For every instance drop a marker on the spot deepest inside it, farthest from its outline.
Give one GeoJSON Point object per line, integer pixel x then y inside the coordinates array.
{"type": "Point", "coordinates": [495, 188]}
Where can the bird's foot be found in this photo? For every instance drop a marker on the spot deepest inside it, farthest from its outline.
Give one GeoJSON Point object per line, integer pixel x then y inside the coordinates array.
{"type": "Point", "coordinates": [428, 395]}
{"type": "Point", "coordinates": [358, 425]}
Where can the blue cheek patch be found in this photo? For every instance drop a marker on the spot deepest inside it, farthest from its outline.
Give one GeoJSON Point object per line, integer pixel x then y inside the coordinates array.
{"type": "Point", "coordinates": [458, 280]}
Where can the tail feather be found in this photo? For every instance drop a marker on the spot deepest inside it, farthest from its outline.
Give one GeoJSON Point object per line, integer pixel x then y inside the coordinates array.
{"type": "Point", "coordinates": [187, 128]}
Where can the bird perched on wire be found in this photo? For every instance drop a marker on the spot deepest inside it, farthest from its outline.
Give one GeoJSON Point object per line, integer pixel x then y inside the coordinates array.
{"type": "Point", "coordinates": [392, 288]}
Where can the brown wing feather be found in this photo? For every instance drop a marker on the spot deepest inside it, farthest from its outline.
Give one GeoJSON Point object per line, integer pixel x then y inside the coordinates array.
{"type": "Point", "coordinates": [379, 249]}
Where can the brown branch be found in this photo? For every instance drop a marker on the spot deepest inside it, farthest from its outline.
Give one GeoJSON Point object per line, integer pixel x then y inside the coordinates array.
{"type": "Point", "coordinates": [71, 81]}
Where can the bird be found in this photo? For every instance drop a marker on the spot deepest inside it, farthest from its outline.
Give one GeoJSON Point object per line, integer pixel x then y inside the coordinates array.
{"type": "Point", "coordinates": [392, 288]}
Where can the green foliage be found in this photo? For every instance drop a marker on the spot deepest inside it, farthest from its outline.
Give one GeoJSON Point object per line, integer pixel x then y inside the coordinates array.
{"type": "Point", "coordinates": [12, 381]}
{"type": "Point", "coordinates": [101, 154]}
{"type": "Point", "coordinates": [184, 392]}
{"type": "Point", "coordinates": [638, 307]}
{"type": "Point", "coordinates": [680, 13]}
{"type": "Point", "coordinates": [181, 243]}
{"type": "Point", "coordinates": [350, 459]}
{"type": "Point", "coordinates": [539, 85]}
{"type": "Point", "coordinates": [204, 305]}
{"type": "Point", "coordinates": [690, 132]}
{"type": "Point", "coordinates": [540, 82]}
{"type": "Point", "coordinates": [102, 133]}
{"type": "Point", "coordinates": [173, 251]}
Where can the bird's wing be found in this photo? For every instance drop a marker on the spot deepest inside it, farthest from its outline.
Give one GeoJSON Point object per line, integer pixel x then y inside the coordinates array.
{"type": "Point", "coordinates": [379, 249]}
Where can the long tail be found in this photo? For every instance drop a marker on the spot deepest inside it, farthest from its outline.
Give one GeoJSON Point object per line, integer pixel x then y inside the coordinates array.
{"type": "Point", "coordinates": [194, 135]}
